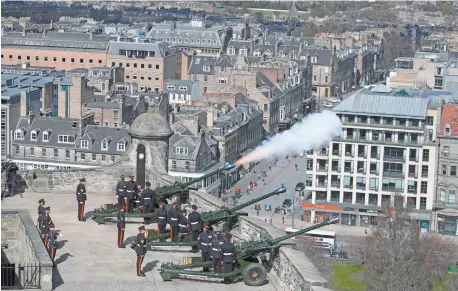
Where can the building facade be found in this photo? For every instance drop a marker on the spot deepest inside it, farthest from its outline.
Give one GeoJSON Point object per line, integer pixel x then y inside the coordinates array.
{"type": "Point", "coordinates": [387, 151]}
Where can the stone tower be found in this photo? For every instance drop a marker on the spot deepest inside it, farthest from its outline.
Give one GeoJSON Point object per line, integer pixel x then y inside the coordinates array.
{"type": "Point", "coordinates": [150, 133]}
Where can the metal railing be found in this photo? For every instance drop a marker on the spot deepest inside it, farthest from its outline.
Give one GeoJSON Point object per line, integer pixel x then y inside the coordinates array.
{"type": "Point", "coordinates": [15, 277]}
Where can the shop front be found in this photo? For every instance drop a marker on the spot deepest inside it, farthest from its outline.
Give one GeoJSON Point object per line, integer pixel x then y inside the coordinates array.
{"type": "Point", "coordinates": [368, 217]}
{"type": "Point", "coordinates": [447, 225]}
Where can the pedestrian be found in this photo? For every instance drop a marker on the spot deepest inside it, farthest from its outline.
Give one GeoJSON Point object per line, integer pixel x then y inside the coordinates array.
{"type": "Point", "coordinates": [183, 224]}
{"type": "Point", "coordinates": [148, 200]}
{"type": "Point", "coordinates": [52, 244]}
{"type": "Point", "coordinates": [229, 254]}
{"type": "Point", "coordinates": [121, 227]}
{"type": "Point", "coordinates": [205, 239]}
{"type": "Point", "coordinates": [194, 225]}
{"type": "Point", "coordinates": [270, 220]}
{"type": "Point", "coordinates": [121, 191]}
{"type": "Point", "coordinates": [265, 219]}
{"type": "Point", "coordinates": [365, 231]}
{"type": "Point", "coordinates": [81, 198]}
{"type": "Point", "coordinates": [216, 252]}
{"type": "Point", "coordinates": [41, 210]}
{"type": "Point", "coordinates": [296, 167]}
{"type": "Point", "coordinates": [131, 191]}
{"type": "Point", "coordinates": [162, 221]}
{"type": "Point", "coordinates": [270, 168]}
{"type": "Point", "coordinates": [140, 249]}
{"type": "Point", "coordinates": [173, 215]}
{"type": "Point", "coordinates": [283, 219]}
{"type": "Point", "coordinates": [46, 221]}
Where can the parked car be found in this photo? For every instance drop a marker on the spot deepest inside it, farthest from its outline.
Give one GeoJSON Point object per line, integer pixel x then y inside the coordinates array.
{"type": "Point", "coordinates": [287, 203]}
{"type": "Point", "coordinates": [300, 186]}
{"type": "Point", "coordinates": [335, 100]}
{"type": "Point", "coordinates": [328, 104]}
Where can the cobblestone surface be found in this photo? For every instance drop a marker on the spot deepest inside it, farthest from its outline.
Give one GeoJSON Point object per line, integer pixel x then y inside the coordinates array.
{"type": "Point", "coordinates": [88, 258]}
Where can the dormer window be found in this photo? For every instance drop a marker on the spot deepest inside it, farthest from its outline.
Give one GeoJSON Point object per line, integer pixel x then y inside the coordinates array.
{"type": "Point", "coordinates": [206, 68]}
{"type": "Point", "coordinates": [257, 53]}
{"type": "Point", "coordinates": [181, 151]}
{"type": "Point", "coordinates": [183, 88]}
{"type": "Point", "coordinates": [104, 145]}
{"type": "Point", "coordinates": [170, 87]}
{"type": "Point", "coordinates": [121, 146]}
{"type": "Point", "coordinates": [46, 136]}
{"type": "Point", "coordinates": [243, 51]}
{"type": "Point", "coordinates": [448, 129]}
{"type": "Point", "coordinates": [18, 134]}
{"type": "Point", "coordinates": [33, 135]}
{"type": "Point", "coordinates": [314, 60]}
{"type": "Point", "coordinates": [66, 139]}
{"type": "Point", "coordinates": [84, 144]}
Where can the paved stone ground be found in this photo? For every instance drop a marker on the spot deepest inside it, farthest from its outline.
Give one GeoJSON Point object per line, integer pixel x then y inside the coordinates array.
{"type": "Point", "coordinates": [88, 258]}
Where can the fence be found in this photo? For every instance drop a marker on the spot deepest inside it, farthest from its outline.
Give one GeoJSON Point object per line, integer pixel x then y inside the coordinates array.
{"type": "Point", "coordinates": [15, 277]}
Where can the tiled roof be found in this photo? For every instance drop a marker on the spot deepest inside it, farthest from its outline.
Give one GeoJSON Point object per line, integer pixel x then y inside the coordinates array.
{"type": "Point", "coordinates": [197, 65]}
{"type": "Point", "coordinates": [449, 118]}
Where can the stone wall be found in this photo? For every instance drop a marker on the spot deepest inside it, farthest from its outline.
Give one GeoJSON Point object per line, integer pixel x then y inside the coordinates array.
{"type": "Point", "coordinates": [25, 245]}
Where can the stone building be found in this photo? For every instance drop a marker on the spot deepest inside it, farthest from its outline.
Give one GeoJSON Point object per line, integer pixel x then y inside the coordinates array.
{"type": "Point", "coordinates": [446, 202]}
{"type": "Point", "coordinates": [180, 91]}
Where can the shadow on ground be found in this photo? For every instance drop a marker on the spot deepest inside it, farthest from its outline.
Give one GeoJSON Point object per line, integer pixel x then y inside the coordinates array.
{"type": "Point", "coordinates": [61, 244]}
{"type": "Point", "coordinates": [62, 258]}
{"type": "Point", "coordinates": [150, 266]}
{"type": "Point", "coordinates": [56, 278]}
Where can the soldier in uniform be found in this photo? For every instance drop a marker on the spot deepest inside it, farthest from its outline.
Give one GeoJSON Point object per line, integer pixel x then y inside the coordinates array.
{"type": "Point", "coordinates": [194, 225]}
{"type": "Point", "coordinates": [81, 198]}
{"type": "Point", "coordinates": [173, 215]}
{"type": "Point", "coordinates": [121, 227]}
{"type": "Point", "coordinates": [205, 239]}
{"type": "Point", "coordinates": [121, 191]}
{"type": "Point", "coordinates": [216, 252]}
{"type": "Point", "coordinates": [229, 254]}
{"type": "Point", "coordinates": [41, 210]}
{"type": "Point", "coordinates": [162, 222]}
{"type": "Point", "coordinates": [148, 201]}
{"type": "Point", "coordinates": [52, 244]}
{"type": "Point", "coordinates": [46, 222]}
{"type": "Point", "coordinates": [140, 249]}
{"type": "Point", "coordinates": [183, 225]}
{"type": "Point", "coordinates": [131, 190]}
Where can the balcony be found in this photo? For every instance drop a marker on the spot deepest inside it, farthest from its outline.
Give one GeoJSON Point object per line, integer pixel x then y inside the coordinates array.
{"type": "Point", "coordinates": [360, 186]}
{"type": "Point", "coordinates": [322, 168]}
{"type": "Point", "coordinates": [413, 175]}
{"type": "Point", "coordinates": [448, 155]}
{"type": "Point", "coordinates": [349, 154]}
{"type": "Point", "coordinates": [335, 169]}
{"type": "Point", "coordinates": [348, 169]}
{"type": "Point", "coordinates": [361, 171]}
{"type": "Point", "coordinates": [393, 174]}
{"type": "Point", "coordinates": [362, 155]}
{"type": "Point", "coordinates": [322, 184]}
{"type": "Point", "coordinates": [375, 156]}
{"type": "Point", "coordinates": [372, 202]}
{"type": "Point", "coordinates": [394, 158]}
{"type": "Point", "coordinates": [322, 153]}
{"type": "Point", "coordinates": [336, 153]}
{"type": "Point", "coordinates": [374, 172]}
{"type": "Point", "coordinates": [360, 201]}
{"type": "Point", "coordinates": [349, 186]}
{"type": "Point", "coordinates": [335, 184]}
{"type": "Point", "coordinates": [392, 189]}
{"type": "Point", "coordinates": [412, 190]}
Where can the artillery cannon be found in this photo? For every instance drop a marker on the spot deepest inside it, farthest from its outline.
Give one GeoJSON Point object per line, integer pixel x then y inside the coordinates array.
{"type": "Point", "coordinates": [247, 266]}
{"type": "Point", "coordinates": [226, 215]}
{"type": "Point", "coordinates": [161, 195]}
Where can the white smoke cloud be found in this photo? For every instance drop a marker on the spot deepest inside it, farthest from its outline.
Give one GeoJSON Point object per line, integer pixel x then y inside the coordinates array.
{"type": "Point", "coordinates": [314, 131]}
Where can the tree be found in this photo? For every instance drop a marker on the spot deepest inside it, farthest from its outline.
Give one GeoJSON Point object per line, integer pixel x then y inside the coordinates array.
{"type": "Point", "coordinates": [398, 257]}
{"type": "Point", "coordinates": [452, 284]}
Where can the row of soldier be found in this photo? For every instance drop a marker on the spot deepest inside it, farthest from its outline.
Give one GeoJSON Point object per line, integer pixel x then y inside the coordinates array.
{"type": "Point", "coordinates": [212, 245]}
{"type": "Point", "coordinates": [47, 229]}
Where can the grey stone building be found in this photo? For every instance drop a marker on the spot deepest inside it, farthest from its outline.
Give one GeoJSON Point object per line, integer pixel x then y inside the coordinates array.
{"type": "Point", "coordinates": [55, 143]}
{"type": "Point", "coordinates": [446, 202]}
{"type": "Point", "coordinates": [180, 91]}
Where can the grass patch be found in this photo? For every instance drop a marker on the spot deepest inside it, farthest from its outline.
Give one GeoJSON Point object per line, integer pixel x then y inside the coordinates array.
{"type": "Point", "coordinates": [342, 280]}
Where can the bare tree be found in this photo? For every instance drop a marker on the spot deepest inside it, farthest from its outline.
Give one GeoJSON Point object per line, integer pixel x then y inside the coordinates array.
{"type": "Point", "coordinates": [452, 284]}
{"type": "Point", "coordinates": [398, 257]}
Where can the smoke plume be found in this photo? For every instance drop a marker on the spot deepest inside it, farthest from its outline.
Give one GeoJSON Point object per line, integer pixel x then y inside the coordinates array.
{"type": "Point", "coordinates": [315, 130]}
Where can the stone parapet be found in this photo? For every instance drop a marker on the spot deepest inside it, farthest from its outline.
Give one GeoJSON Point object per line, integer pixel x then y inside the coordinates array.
{"type": "Point", "coordinates": [25, 245]}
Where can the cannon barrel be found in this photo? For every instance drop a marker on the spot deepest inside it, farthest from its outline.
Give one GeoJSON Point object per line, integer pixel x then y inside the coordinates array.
{"type": "Point", "coordinates": [331, 220]}
{"type": "Point", "coordinates": [276, 192]}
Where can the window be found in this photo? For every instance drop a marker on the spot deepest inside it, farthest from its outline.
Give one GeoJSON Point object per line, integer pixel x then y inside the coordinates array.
{"type": "Point", "coordinates": [424, 171]}
{"type": "Point", "coordinates": [205, 78]}
{"type": "Point", "coordinates": [156, 78]}
{"type": "Point", "coordinates": [90, 61]}
{"type": "Point", "coordinates": [84, 144]}
{"type": "Point", "coordinates": [56, 153]}
{"type": "Point", "coordinates": [453, 171]}
{"type": "Point", "coordinates": [448, 130]}
{"type": "Point", "coordinates": [444, 169]}
{"type": "Point", "coordinates": [423, 202]}
{"type": "Point", "coordinates": [115, 114]}
{"type": "Point", "coordinates": [135, 77]}
{"type": "Point", "coordinates": [32, 152]}
{"type": "Point", "coordinates": [103, 158]}
{"type": "Point", "coordinates": [54, 59]}
{"type": "Point", "coordinates": [104, 145]}
{"type": "Point", "coordinates": [67, 154]}
{"type": "Point", "coordinates": [183, 88]}
{"type": "Point", "coordinates": [127, 76]}
{"type": "Point", "coordinates": [446, 151]}
{"type": "Point", "coordinates": [16, 150]}
{"type": "Point", "coordinates": [113, 158]}
{"type": "Point", "coordinates": [442, 195]}
{"type": "Point", "coordinates": [33, 135]}
{"type": "Point", "coordinates": [83, 156]}
{"type": "Point", "coordinates": [181, 151]}
{"type": "Point", "coordinates": [206, 68]}
{"type": "Point", "coordinates": [135, 65]}
{"type": "Point", "coordinates": [100, 61]}
{"type": "Point", "coordinates": [266, 107]}
{"type": "Point", "coordinates": [424, 187]}
{"type": "Point", "coordinates": [150, 66]}
{"type": "Point", "coordinates": [66, 139]}
{"type": "Point", "coordinates": [438, 82]}
{"type": "Point", "coordinates": [63, 60]}
{"type": "Point", "coordinates": [314, 77]}
{"type": "Point", "coordinates": [28, 58]}
{"type": "Point", "coordinates": [451, 196]}
{"type": "Point", "coordinates": [150, 78]}
{"type": "Point", "coordinates": [81, 61]}
{"type": "Point", "coordinates": [113, 64]}
{"type": "Point", "coordinates": [222, 80]}
{"type": "Point", "coordinates": [170, 87]}
{"type": "Point", "coordinates": [121, 146]}
{"type": "Point", "coordinates": [94, 157]}
{"type": "Point", "coordinates": [10, 56]}
{"type": "Point", "coordinates": [37, 58]}
{"type": "Point", "coordinates": [425, 155]}
{"type": "Point", "coordinates": [314, 59]}
{"type": "Point", "coordinates": [142, 66]}
{"type": "Point", "coordinates": [205, 89]}
{"type": "Point", "coordinates": [326, 79]}
{"type": "Point", "coordinates": [157, 67]}
{"type": "Point", "coordinates": [103, 86]}
{"type": "Point", "coordinates": [18, 134]}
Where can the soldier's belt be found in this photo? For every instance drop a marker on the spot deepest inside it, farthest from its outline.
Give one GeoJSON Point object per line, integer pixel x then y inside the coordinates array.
{"type": "Point", "coordinates": [121, 190]}
{"type": "Point", "coordinates": [173, 218]}
{"type": "Point", "coordinates": [204, 244]}
{"type": "Point", "coordinates": [162, 217]}
{"type": "Point", "coordinates": [182, 225]}
{"type": "Point", "coordinates": [195, 222]}
{"type": "Point", "coordinates": [138, 201]}
{"type": "Point", "coordinates": [216, 250]}
{"type": "Point", "coordinates": [146, 198]}
{"type": "Point", "coordinates": [227, 254]}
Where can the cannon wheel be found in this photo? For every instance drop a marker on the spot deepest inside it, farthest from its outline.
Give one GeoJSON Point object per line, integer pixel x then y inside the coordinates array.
{"type": "Point", "coordinates": [254, 275]}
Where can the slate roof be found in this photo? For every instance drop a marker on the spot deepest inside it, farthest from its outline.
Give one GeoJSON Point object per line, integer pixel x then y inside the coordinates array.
{"type": "Point", "coordinates": [183, 138]}
{"type": "Point", "coordinates": [393, 104]}
{"type": "Point", "coordinates": [226, 61]}
{"type": "Point", "coordinates": [159, 48]}
{"type": "Point", "coordinates": [95, 135]}
{"type": "Point", "coordinates": [69, 40]}
{"type": "Point", "coordinates": [324, 55]}
{"type": "Point", "coordinates": [197, 65]}
{"type": "Point", "coordinates": [240, 43]}
{"type": "Point", "coordinates": [177, 84]}
{"type": "Point", "coordinates": [107, 105]}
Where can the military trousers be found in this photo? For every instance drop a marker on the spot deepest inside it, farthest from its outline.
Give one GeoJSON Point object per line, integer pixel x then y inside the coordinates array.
{"type": "Point", "coordinates": [206, 258]}
{"type": "Point", "coordinates": [81, 210]}
{"type": "Point", "coordinates": [216, 265]}
{"type": "Point", "coordinates": [194, 237]}
{"type": "Point", "coordinates": [161, 228]}
{"type": "Point", "coordinates": [120, 237]}
{"type": "Point", "coordinates": [52, 252]}
{"type": "Point", "coordinates": [173, 232]}
{"type": "Point", "coordinates": [139, 264]}
{"type": "Point", "coordinates": [228, 267]}
{"type": "Point", "coordinates": [121, 201]}
{"type": "Point", "coordinates": [130, 204]}
{"type": "Point", "coordinates": [147, 209]}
